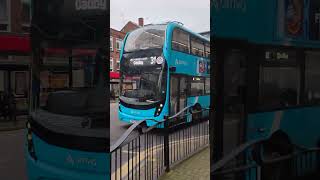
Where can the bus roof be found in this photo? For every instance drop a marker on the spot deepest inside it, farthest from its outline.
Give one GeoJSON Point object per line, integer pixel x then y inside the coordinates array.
{"type": "Point", "coordinates": [173, 24]}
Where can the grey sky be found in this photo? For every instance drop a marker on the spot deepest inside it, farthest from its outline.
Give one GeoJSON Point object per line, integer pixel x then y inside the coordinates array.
{"type": "Point", "coordinates": [193, 14]}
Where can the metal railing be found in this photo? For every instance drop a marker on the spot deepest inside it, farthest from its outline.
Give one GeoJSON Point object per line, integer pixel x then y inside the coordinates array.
{"type": "Point", "coordinates": [239, 164]}
{"type": "Point", "coordinates": [146, 153]}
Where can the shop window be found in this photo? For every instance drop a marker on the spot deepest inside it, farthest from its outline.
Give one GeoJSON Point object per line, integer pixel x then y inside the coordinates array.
{"type": "Point", "coordinates": [180, 41]}
{"type": "Point", "coordinates": [21, 86]}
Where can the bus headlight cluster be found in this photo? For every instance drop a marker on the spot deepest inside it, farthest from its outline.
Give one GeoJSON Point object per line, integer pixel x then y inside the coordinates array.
{"type": "Point", "coordinates": [158, 109]}
{"type": "Point", "coordinates": [120, 108]}
{"type": "Point", "coordinates": [30, 141]}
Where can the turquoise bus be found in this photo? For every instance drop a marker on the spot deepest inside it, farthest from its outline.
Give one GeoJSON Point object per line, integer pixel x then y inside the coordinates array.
{"type": "Point", "coordinates": [266, 77]}
{"type": "Point", "coordinates": [164, 70]}
{"type": "Point", "coordinates": [68, 128]}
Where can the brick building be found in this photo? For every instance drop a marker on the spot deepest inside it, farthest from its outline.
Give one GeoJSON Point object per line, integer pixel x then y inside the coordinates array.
{"type": "Point", "coordinates": [14, 29]}
{"type": "Point", "coordinates": [14, 61]}
{"type": "Point", "coordinates": [15, 16]}
{"type": "Point", "coordinates": [116, 41]}
{"type": "Point", "coordinates": [116, 38]}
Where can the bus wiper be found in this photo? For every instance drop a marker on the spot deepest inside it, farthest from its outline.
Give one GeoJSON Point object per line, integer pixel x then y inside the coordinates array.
{"type": "Point", "coordinates": [151, 101]}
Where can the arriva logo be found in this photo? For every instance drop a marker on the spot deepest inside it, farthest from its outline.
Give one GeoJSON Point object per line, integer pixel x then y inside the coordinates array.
{"type": "Point", "coordinates": [135, 112]}
{"type": "Point", "coordinates": [180, 62]}
{"type": "Point", "coordinates": [91, 5]}
{"type": "Point", "coordinates": [80, 161]}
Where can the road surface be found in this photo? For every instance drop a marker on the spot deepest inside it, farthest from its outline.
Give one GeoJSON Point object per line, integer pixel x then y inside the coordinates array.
{"type": "Point", "coordinates": [12, 163]}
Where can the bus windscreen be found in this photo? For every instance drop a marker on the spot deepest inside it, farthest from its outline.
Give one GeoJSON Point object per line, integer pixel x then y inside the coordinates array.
{"type": "Point", "coordinates": [71, 98]}
{"type": "Point", "coordinates": [147, 80]}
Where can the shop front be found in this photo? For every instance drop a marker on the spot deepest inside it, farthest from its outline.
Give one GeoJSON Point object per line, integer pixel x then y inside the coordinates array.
{"type": "Point", "coordinates": [114, 85]}
{"type": "Point", "coordinates": [14, 75]}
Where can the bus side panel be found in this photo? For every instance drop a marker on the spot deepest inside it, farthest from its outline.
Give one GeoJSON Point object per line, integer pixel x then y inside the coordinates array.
{"type": "Point", "coordinates": [60, 163]}
{"type": "Point", "coordinates": [184, 63]}
{"type": "Point", "coordinates": [258, 121]}
{"type": "Point", "coordinates": [204, 101]}
{"type": "Point", "coordinates": [290, 121]}
{"type": "Point", "coordinates": [302, 120]}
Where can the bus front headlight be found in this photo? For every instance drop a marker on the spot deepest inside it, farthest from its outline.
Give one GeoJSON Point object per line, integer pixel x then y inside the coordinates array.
{"type": "Point", "coordinates": [158, 110]}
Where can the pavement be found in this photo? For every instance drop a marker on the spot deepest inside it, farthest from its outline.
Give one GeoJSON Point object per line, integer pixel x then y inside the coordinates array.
{"type": "Point", "coordinates": [7, 125]}
{"type": "Point", "coordinates": [196, 167]}
{"type": "Point", "coordinates": [12, 161]}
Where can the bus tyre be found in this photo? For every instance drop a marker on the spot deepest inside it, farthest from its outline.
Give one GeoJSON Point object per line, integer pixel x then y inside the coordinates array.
{"type": "Point", "coordinates": [195, 114]}
{"type": "Point", "coordinates": [276, 146]}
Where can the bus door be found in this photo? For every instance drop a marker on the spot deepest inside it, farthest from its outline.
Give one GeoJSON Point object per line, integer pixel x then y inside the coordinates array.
{"type": "Point", "coordinates": [230, 80]}
{"type": "Point", "coordinates": [174, 91]}
{"type": "Point", "coordinates": [182, 93]}
{"type": "Point", "coordinates": [178, 94]}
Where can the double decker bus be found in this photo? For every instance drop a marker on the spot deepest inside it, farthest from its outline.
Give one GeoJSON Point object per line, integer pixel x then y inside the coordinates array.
{"type": "Point", "coordinates": [164, 70]}
{"type": "Point", "coordinates": [68, 127]}
{"type": "Point", "coordinates": [266, 84]}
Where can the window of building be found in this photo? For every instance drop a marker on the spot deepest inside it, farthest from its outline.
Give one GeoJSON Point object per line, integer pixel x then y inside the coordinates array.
{"type": "Point", "coordinates": [2, 81]}
{"type": "Point", "coordinates": [111, 64]}
{"type": "Point", "coordinates": [207, 85]}
{"type": "Point", "coordinates": [25, 14]}
{"type": "Point", "coordinates": [197, 86]}
{"type": "Point", "coordinates": [4, 15]}
{"type": "Point", "coordinates": [180, 41]}
{"type": "Point", "coordinates": [312, 75]}
{"type": "Point", "coordinates": [21, 83]}
{"type": "Point", "coordinates": [118, 65]}
{"type": "Point", "coordinates": [197, 47]}
{"type": "Point", "coordinates": [118, 44]}
{"type": "Point", "coordinates": [111, 43]}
